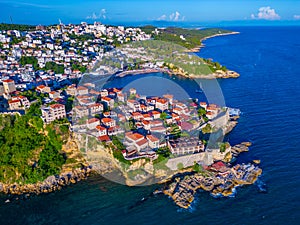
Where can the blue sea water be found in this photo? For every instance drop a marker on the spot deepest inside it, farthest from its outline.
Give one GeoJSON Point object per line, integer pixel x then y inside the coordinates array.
{"type": "Point", "coordinates": [268, 94]}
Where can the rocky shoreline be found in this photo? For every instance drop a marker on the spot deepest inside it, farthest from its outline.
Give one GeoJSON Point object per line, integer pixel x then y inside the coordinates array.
{"type": "Point", "coordinates": [51, 184]}
{"type": "Point", "coordinates": [219, 179]}
{"type": "Point", "coordinates": [216, 75]}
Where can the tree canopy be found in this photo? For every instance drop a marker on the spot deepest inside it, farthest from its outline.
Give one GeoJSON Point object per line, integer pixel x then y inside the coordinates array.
{"type": "Point", "coordinates": [29, 152]}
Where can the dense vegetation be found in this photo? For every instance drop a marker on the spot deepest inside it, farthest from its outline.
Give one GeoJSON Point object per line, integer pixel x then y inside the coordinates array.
{"type": "Point", "coordinates": [24, 60]}
{"type": "Point", "coordinates": [190, 38]}
{"type": "Point", "coordinates": [77, 66]}
{"type": "Point", "coordinates": [29, 151]}
{"type": "Point", "coordinates": [57, 68]}
{"type": "Point", "coordinates": [20, 27]}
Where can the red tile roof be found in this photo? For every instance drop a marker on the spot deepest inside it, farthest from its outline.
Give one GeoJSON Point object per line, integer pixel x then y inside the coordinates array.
{"type": "Point", "coordinates": [93, 120]}
{"type": "Point", "coordinates": [7, 81]}
{"type": "Point", "coordinates": [142, 142]}
{"type": "Point", "coordinates": [55, 106]}
{"type": "Point", "coordinates": [135, 136]}
{"type": "Point", "coordinates": [104, 138]}
{"type": "Point", "coordinates": [152, 138]}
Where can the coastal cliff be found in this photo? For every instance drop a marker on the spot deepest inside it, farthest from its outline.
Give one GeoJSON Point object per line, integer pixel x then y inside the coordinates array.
{"type": "Point", "coordinates": [73, 171]}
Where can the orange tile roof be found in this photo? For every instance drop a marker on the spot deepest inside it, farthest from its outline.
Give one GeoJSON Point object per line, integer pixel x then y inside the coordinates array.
{"type": "Point", "coordinates": [142, 142]}
{"type": "Point", "coordinates": [135, 136]}
{"type": "Point", "coordinates": [152, 138]}
{"type": "Point", "coordinates": [162, 101]}
{"type": "Point", "coordinates": [100, 128]}
{"type": "Point", "coordinates": [55, 106]}
{"type": "Point", "coordinates": [7, 81]}
{"type": "Point", "coordinates": [107, 120]}
{"type": "Point", "coordinates": [93, 120]}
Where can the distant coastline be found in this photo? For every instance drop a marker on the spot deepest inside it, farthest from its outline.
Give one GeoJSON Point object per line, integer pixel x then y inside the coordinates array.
{"type": "Point", "coordinates": [197, 49]}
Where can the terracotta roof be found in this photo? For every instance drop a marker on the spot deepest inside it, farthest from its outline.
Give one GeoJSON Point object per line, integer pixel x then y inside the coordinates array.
{"type": "Point", "coordinates": [162, 101]}
{"type": "Point", "coordinates": [142, 142]}
{"type": "Point", "coordinates": [7, 81]}
{"type": "Point", "coordinates": [107, 120]}
{"type": "Point", "coordinates": [135, 136]}
{"type": "Point", "coordinates": [168, 96]}
{"type": "Point", "coordinates": [93, 120]}
{"type": "Point", "coordinates": [155, 112]}
{"type": "Point", "coordinates": [105, 99]}
{"type": "Point", "coordinates": [152, 138]}
{"type": "Point", "coordinates": [145, 122]}
{"type": "Point", "coordinates": [104, 138]}
{"type": "Point", "coordinates": [40, 86]}
{"type": "Point", "coordinates": [82, 88]}
{"type": "Point", "coordinates": [100, 128]}
{"type": "Point", "coordinates": [13, 101]}
{"type": "Point", "coordinates": [55, 106]}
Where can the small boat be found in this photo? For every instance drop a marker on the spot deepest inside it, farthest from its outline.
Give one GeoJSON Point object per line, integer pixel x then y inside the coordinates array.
{"type": "Point", "coordinates": [198, 91]}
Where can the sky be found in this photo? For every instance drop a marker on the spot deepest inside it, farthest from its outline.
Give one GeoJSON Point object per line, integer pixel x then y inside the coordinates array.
{"type": "Point", "coordinates": [215, 12]}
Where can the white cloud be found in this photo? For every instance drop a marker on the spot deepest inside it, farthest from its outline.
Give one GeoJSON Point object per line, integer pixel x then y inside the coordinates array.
{"type": "Point", "coordinates": [266, 13]}
{"type": "Point", "coordinates": [101, 15]}
{"type": "Point", "coordinates": [297, 17]}
{"type": "Point", "coordinates": [176, 16]}
{"type": "Point", "coordinates": [163, 17]}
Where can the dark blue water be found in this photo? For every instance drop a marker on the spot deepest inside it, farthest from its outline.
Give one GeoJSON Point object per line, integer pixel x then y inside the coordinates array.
{"type": "Point", "coordinates": [268, 94]}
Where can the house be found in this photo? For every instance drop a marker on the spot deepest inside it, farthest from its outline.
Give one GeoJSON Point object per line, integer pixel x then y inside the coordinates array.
{"type": "Point", "coordinates": [43, 89]}
{"type": "Point", "coordinates": [95, 108]}
{"type": "Point", "coordinates": [81, 90]}
{"type": "Point", "coordinates": [104, 93]}
{"type": "Point", "coordinates": [162, 104]}
{"type": "Point", "coordinates": [147, 117]}
{"type": "Point", "coordinates": [153, 141]}
{"type": "Point", "coordinates": [156, 123]}
{"type": "Point", "coordinates": [158, 129]}
{"type": "Point", "coordinates": [108, 122]}
{"type": "Point", "coordinates": [9, 86]}
{"type": "Point", "coordinates": [132, 91]}
{"type": "Point", "coordinates": [130, 151]}
{"type": "Point", "coordinates": [14, 104]}
{"type": "Point", "coordinates": [213, 108]}
{"type": "Point", "coordinates": [54, 94]}
{"type": "Point", "coordinates": [71, 90]}
{"type": "Point", "coordinates": [146, 108]}
{"type": "Point", "coordinates": [109, 102]}
{"type": "Point", "coordinates": [114, 130]}
{"type": "Point", "coordinates": [155, 114]}
{"type": "Point", "coordinates": [91, 85]}
{"type": "Point", "coordinates": [133, 137]}
{"type": "Point", "coordinates": [178, 110]}
{"type": "Point", "coordinates": [121, 118]}
{"type": "Point", "coordinates": [186, 126]}
{"type": "Point", "coordinates": [210, 115]}
{"type": "Point", "coordinates": [146, 124]}
{"type": "Point", "coordinates": [120, 97]}
{"type": "Point", "coordinates": [104, 138]}
{"type": "Point", "coordinates": [141, 144]}
{"type": "Point", "coordinates": [183, 146]}
{"type": "Point", "coordinates": [102, 131]}
{"type": "Point", "coordinates": [133, 104]}
{"type": "Point", "coordinates": [24, 100]}
{"type": "Point", "coordinates": [53, 112]}
{"type": "Point", "coordinates": [93, 123]}
{"type": "Point", "coordinates": [81, 111]}
{"type": "Point", "coordinates": [169, 98]}
{"type": "Point", "coordinates": [137, 116]}
{"type": "Point", "coordinates": [203, 105]}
